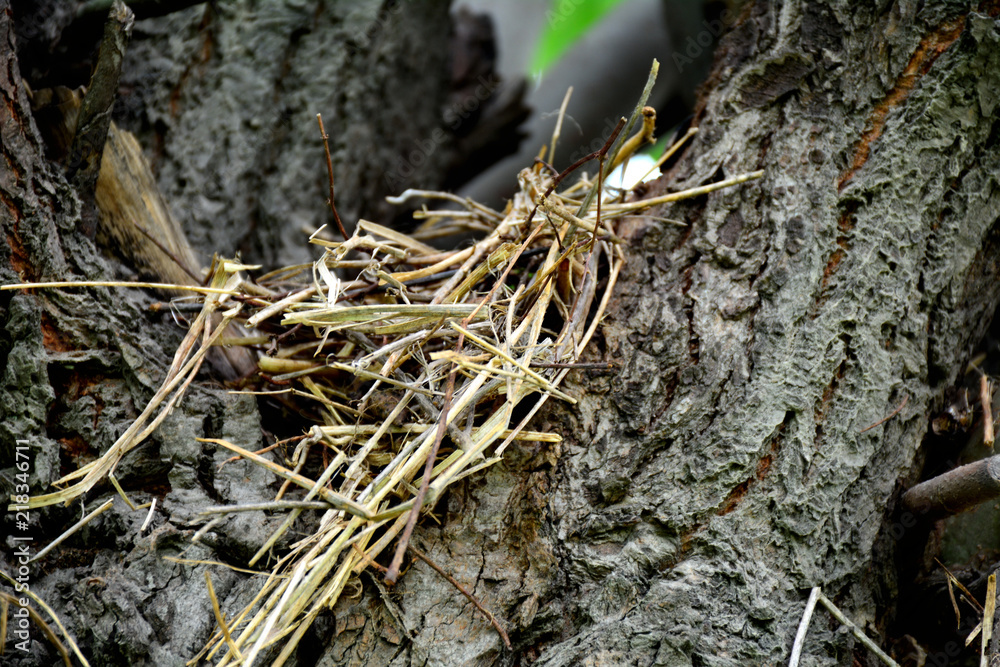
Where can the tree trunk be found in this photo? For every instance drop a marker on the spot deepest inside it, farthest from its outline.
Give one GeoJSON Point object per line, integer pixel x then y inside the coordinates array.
{"type": "Point", "coordinates": [701, 490]}
{"type": "Point", "coordinates": [229, 99]}
{"type": "Point", "coordinates": [222, 102]}
{"type": "Point", "coordinates": [224, 98]}
{"type": "Point", "coordinates": [725, 470]}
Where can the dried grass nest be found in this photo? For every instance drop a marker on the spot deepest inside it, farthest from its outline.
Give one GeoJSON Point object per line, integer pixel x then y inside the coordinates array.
{"type": "Point", "coordinates": [412, 369]}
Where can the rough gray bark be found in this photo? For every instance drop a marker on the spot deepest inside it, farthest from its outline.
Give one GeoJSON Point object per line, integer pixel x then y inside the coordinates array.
{"type": "Point", "coordinates": [229, 96]}
{"type": "Point", "coordinates": [77, 366]}
{"type": "Point", "coordinates": [702, 490]}
{"type": "Point", "coordinates": [224, 97]}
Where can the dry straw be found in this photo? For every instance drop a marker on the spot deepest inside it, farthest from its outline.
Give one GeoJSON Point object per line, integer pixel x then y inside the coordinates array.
{"type": "Point", "coordinates": [416, 366]}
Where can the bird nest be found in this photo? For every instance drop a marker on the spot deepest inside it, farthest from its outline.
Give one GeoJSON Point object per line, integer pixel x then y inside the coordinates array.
{"type": "Point", "coordinates": [421, 369]}
{"type": "Point", "coordinates": [417, 367]}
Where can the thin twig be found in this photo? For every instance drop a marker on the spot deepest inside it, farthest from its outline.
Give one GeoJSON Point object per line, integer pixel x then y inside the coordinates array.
{"type": "Point", "coordinates": [986, 400]}
{"type": "Point", "coordinates": [120, 283]}
{"type": "Point", "coordinates": [856, 631]}
{"type": "Point", "coordinates": [566, 172]}
{"type": "Point", "coordinates": [329, 168]}
{"type": "Point", "coordinates": [486, 612]}
{"type": "Point", "coordinates": [994, 649]}
{"type": "Point", "coordinates": [558, 130]}
{"type": "Point", "coordinates": [547, 165]}
{"type": "Point", "coordinates": [272, 506]}
{"type": "Point", "coordinates": [601, 157]}
{"type": "Point", "coordinates": [643, 204]}
{"type": "Point", "coordinates": [149, 516]}
{"type": "Point", "coordinates": [220, 619]}
{"type": "Point", "coordinates": [955, 491]}
{"type": "Point", "coordinates": [418, 502]}
{"type": "Point", "coordinates": [816, 595]}
{"type": "Point", "coordinates": [967, 596]}
{"type": "Point", "coordinates": [367, 560]}
{"type": "Point", "coordinates": [991, 603]}
{"type": "Point", "coordinates": [601, 366]}
{"type": "Point", "coordinates": [75, 527]}
{"type": "Point", "coordinates": [800, 635]}
{"type": "Point", "coordinates": [198, 280]}
{"type": "Point", "coordinates": [890, 416]}
{"type": "Point", "coordinates": [264, 450]}
{"type": "Point", "coordinates": [600, 197]}
{"type": "Point", "coordinates": [954, 604]}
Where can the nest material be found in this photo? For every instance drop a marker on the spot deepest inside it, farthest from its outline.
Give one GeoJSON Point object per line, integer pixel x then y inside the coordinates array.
{"type": "Point", "coordinates": [441, 341]}
{"type": "Point", "coordinates": [411, 372]}
{"type": "Point", "coordinates": [419, 342]}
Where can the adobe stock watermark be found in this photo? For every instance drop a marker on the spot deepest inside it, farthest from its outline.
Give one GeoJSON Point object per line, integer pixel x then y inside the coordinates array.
{"type": "Point", "coordinates": [21, 538]}
{"type": "Point", "coordinates": [407, 164]}
{"type": "Point", "coordinates": [696, 45]}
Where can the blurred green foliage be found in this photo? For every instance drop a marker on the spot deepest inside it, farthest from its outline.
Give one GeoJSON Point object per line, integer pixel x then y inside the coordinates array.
{"type": "Point", "coordinates": [566, 22]}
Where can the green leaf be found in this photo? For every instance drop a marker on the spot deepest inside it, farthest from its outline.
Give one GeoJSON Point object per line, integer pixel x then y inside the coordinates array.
{"type": "Point", "coordinates": [566, 22]}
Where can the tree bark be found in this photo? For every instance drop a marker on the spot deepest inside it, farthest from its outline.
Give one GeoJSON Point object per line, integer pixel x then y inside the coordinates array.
{"type": "Point", "coordinates": [701, 491]}
{"type": "Point", "coordinates": [77, 366]}
{"type": "Point", "coordinates": [224, 97]}
{"type": "Point", "coordinates": [220, 118]}
{"type": "Point", "coordinates": [229, 96]}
